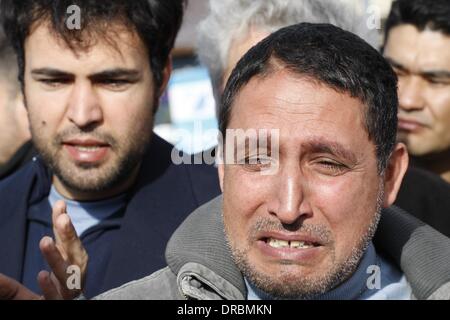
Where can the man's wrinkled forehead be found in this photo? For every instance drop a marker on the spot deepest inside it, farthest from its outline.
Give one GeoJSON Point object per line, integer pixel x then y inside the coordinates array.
{"type": "Point", "coordinates": [280, 94]}
{"type": "Point", "coordinates": [310, 115]}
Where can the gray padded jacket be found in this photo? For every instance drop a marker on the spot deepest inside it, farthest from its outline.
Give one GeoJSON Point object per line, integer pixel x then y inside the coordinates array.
{"type": "Point", "coordinates": [200, 265]}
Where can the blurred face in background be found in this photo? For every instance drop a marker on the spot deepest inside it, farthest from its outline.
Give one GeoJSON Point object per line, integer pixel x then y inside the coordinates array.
{"type": "Point", "coordinates": [91, 111]}
{"type": "Point", "coordinates": [14, 129]}
{"type": "Point", "coordinates": [421, 60]}
{"type": "Point", "coordinates": [238, 47]}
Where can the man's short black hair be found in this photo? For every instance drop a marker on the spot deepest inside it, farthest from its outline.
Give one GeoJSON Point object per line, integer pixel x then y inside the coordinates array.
{"type": "Point", "coordinates": [333, 57]}
{"type": "Point", "coordinates": [155, 21]}
{"type": "Point", "coordinates": [432, 14]}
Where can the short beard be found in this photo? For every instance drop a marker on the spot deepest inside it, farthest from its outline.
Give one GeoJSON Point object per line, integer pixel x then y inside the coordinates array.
{"type": "Point", "coordinates": [305, 287]}
{"type": "Point", "coordinates": [93, 178]}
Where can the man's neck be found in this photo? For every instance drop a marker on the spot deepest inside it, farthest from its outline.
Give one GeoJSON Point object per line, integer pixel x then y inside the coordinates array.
{"type": "Point", "coordinates": [439, 163]}
{"type": "Point", "coordinates": [78, 195]}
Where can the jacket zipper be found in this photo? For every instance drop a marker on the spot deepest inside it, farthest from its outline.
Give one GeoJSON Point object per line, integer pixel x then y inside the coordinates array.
{"type": "Point", "coordinates": [202, 280]}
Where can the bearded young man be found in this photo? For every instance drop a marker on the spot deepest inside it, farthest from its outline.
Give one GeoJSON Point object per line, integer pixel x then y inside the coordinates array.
{"type": "Point", "coordinates": [91, 95]}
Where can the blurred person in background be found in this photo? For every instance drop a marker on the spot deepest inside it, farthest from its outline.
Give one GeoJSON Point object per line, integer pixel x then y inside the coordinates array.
{"type": "Point", "coordinates": [417, 45]}
{"type": "Point", "coordinates": [233, 27]}
{"type": "Point", "coordinates": [15, 145]}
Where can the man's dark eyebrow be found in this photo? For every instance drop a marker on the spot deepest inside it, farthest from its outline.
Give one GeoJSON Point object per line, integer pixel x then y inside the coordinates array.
{"type": "Point", "coordinates": [330, 147]}
{"type": "Point", "coordinates": [106, 74]}
{"type": "Point", "coordinates": [118, 73]}
{"type": "Point", "coordinates": [436, 74]}
{"type": "Point", "coordinates": [49, 72]}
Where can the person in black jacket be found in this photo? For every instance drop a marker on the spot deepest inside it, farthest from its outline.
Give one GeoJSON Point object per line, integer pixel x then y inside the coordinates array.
{"type": "Point", "coordinates": [91, 81]}
{"type": "Point", "coordinates": [15, 146]}
{"type": "Point", "coordinates": [417, 45]}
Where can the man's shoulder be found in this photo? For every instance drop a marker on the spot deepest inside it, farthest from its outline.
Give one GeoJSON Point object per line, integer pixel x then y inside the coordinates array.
{"type": "Point", "coordinates": [17, 180]}
{"type": "Point", "coordinates": [416, 174]}
{"type": "Point", "coordinates": [421, 252]}
{"type": "Point", "coordinates": [427, 197]}
{"type": "Point", "coordinates": [21, 158]}
{"type": "Point", "coordinates": [165, 166]}
{"type": "Point", "coordinates": [29, 184]}
{"type": "Point", "coordinates": [161, 285]}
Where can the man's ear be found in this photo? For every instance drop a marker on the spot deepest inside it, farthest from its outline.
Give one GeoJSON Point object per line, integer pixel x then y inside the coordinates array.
{"type": "Point", "coordinates": [220, 161]}
{"type": "Point", "coordinates": [395, 171]}
{"type": "Point", "coordinates": [221, 169]}
{"type": "Point", "coordinates": [167, 71]}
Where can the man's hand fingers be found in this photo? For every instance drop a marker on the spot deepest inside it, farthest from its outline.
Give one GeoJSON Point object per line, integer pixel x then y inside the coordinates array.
{"type": "Point", "coordinates": [54, 259]}
{"type": "Point", "coordinates": [10, 289]}
{"type": "Point", "coordinates": [69, 241]}
{"type": "Point", "coordinates": [60, 275]}
{"type": "Point", "coordinates": [49, 288]}
{"type": "Point", "coordinates": [66, 251]}
{"type": "Point", "coordinates": [60, 208]}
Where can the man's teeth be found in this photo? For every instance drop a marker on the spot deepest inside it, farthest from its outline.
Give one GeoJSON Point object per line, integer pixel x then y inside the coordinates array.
{"type": "Point", "coordinates": [88, 148]}
{"type": "Point", "coordinates": [276, 243]}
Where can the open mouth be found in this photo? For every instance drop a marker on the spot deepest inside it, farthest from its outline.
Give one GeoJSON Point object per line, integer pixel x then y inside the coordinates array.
{"type": "Point", "coordinates": [87, 151]}
{"type": "Point", "coordinates": [88, 148]}
{"type": "Point", "coordinates": [293, 244]}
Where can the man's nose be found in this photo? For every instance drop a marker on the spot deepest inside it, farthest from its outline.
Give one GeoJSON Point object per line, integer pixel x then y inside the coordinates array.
{"type": "Point", "coordinates": [410, 93]}
{"type": "Point", "coordinates": [288, 202]}
{"type": "Point", "coordinates": [84, 107]}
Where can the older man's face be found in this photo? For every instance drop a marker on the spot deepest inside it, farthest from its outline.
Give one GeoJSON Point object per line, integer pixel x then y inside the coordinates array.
{"type": "Point", "coordinates": [301, 230]}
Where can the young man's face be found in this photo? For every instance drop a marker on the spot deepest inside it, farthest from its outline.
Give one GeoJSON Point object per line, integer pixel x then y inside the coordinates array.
{"type": "Point", "coordinates": [421, 60]}
{"type": "Point", "coordinates": [91, 111]}
{"type": "Point", "coordinates": [301, 230]}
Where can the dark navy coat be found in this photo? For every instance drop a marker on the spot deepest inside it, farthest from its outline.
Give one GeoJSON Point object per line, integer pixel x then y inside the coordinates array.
{"type": "Point", "coordinates": [163, 195]}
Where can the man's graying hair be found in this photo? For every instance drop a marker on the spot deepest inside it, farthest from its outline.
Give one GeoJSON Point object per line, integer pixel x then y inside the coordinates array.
{"type": "Point", "coordinates": [231, 19]}
{"type": "Point", "coordinates": [335, 58]}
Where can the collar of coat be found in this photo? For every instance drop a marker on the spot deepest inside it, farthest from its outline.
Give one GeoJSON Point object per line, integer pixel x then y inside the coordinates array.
{"type": "Point", "coordinates": [422, 253]}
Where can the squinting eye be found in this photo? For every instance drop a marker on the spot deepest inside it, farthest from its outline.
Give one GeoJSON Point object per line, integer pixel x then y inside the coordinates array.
{"type": "Point", "coordinates": [115, 83]}
{"type": "Point", "coordinates": [331, 167]}
{"type": "Point", "coordinates": [257, 163]}
{"type": "Point", "coordinates": [54, 82]}
{"type": "Point", "coordinates": [436, 82]}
